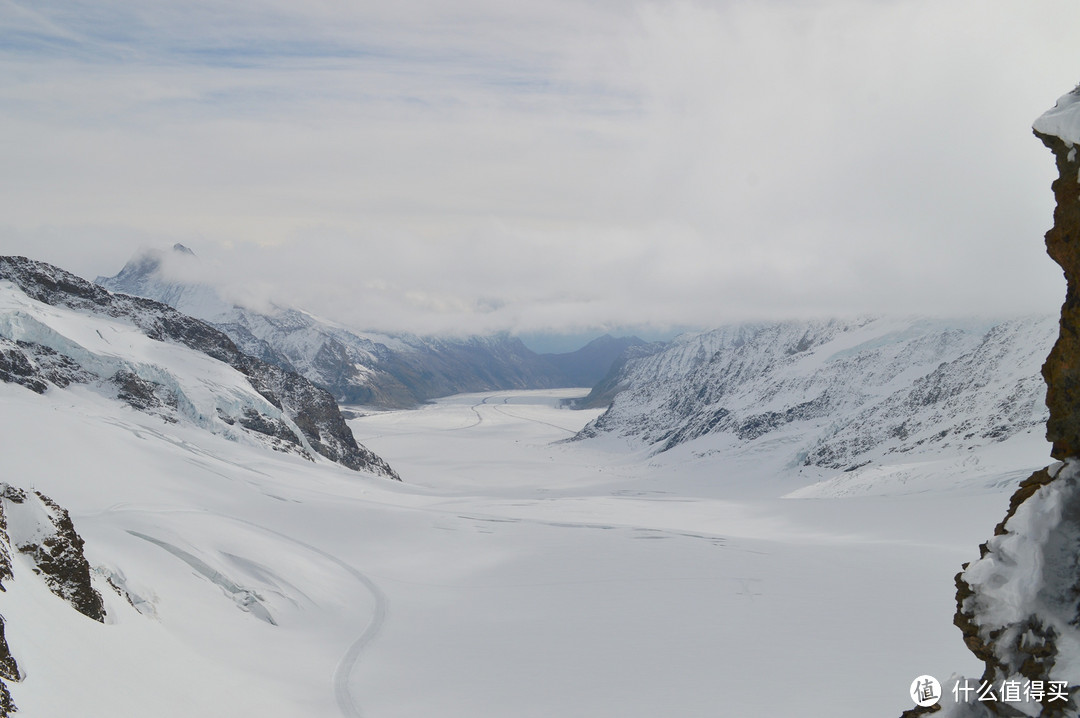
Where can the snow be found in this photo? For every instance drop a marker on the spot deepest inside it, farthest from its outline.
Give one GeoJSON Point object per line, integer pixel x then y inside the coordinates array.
{"type": "Point", "coordinates": [991, 468]}
{"type": "Point", "coordinates": [509, 576]}
{"type": "Point", "coordinates": [205, 388]}
{"type": "Point", "coordinates": [1063, 119]}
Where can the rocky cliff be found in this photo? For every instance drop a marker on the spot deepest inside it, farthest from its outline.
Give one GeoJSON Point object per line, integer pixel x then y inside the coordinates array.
{"type": "Point", "coordinates": [1018, 605]}
{"type": "Point", "coordinates": [1062, 368]}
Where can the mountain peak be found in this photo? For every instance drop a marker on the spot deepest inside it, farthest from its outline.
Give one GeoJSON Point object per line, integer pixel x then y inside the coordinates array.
{"type": "Point", "coordinates": [172, 276]}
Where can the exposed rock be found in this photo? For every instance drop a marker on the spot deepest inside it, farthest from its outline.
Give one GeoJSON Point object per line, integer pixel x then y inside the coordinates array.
{"type": "Point", "coordinates": [36, 366]}
{"type": "Point", "coordinates": [1062, 368]}
{"type": "Point", "coordinates": [318, 416]}
{"type": "Point", "coordinates": [254, 421]}
{"type": "Point", "coordinates": [977, 398]}
{"type": "Point", "coordinates": [9, 667]}
{"type": "Point", "coordinates": [7, 705]}
{"type": "Point", "coordinates": [15, 367]}
{"type": "Point", "coordinates": [918, 712]}
{"type": "Point", "coordinates": [48, 537]}
{"type": "Point", "coordinates": [144, 395]}
{"type": "Point", "coordinates": [5, 548]}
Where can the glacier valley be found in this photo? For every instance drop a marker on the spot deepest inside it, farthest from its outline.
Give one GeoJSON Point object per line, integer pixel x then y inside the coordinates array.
{"type": "Point", "coordinates": [507, 575]}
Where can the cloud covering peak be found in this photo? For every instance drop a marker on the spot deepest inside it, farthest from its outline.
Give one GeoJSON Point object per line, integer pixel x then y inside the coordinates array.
{"type": "Point", "coordinates": [478, 166]}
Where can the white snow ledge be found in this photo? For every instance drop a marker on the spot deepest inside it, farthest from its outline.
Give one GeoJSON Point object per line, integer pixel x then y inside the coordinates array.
{"type": "Point", "coordinates": [1063, 120]}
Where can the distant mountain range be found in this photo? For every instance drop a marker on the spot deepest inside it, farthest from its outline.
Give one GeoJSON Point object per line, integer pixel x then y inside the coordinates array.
{"type": "Point", "coordinates": [389, 371]}
{"type": "Point", "coordinates": [835, 394]}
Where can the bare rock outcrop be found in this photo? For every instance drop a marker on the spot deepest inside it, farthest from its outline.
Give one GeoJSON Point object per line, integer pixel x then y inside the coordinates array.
{"type": "Point", "coordinates": [1018, 605]}
{"type": "Point", "coordinates": [35, 526]}
{"type": "Point", "coordinates": [1062, 368]}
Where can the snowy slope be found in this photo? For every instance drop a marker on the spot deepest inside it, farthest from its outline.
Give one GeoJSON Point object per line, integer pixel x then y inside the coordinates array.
{"type": "Point", "coordinates": [511, 576]}
{"type": "Point", "coordinates": [837, 395]}
{"type": "Point", "coordinates": [201, 610]}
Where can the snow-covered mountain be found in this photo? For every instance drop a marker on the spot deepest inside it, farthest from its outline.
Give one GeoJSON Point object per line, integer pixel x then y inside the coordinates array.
{"type": "Point", "coordinates": [357, 367]}
{"type": "Point", "coordinates": [57, 330]}
{"type": "Point", "coordinates": [159, 560]}
{"type": "Point", "coordinates": [836, 394]}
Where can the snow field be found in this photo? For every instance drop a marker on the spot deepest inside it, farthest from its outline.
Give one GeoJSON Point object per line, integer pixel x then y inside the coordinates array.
{"type": "Point", "coordinates": [507, 576]}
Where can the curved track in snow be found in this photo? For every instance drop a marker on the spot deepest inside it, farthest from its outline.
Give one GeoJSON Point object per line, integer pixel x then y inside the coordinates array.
{"type": "Point", "coordinates": [344, 697]}
{"type": "Point", "coordinates": [512, 415]}
{"type": "Point", "coordinates": [479, 418]}
{"type": "Point", "coordinates": [346, 702]}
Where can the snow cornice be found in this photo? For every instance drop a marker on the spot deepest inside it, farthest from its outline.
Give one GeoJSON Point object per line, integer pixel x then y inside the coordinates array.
{"type": "Point", "coordinates": [1063, 119]}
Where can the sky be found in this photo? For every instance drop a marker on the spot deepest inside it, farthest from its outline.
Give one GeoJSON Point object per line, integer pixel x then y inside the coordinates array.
{"type": "Point", "coordinates": [551, 166]}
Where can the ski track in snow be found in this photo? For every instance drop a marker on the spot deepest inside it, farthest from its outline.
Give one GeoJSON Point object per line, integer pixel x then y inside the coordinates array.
{"type": "Point", "coordinates": [504, 412]}
{"type": "Point", "coordinates": [475, 408]}
{"type": "Point", "coordinates": [346, 701]}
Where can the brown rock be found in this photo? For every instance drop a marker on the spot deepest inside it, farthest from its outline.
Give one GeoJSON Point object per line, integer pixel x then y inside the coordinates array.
{"type": "Point", "coordinates": [1062, 367]}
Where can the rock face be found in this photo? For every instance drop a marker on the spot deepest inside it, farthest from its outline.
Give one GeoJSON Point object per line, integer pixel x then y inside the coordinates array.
{"type": "Point", "coordinates": [287, 411]}
{"type": "Point", "coordinates": [37, 527]}
{"type": "Point", "coordinates": [1062, 368]}
{"type": "Point", "coordinates": [1018, 605]}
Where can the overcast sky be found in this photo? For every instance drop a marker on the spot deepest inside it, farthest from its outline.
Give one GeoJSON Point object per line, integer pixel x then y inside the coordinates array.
{"type": "Point", "coordinates": [537, 165]}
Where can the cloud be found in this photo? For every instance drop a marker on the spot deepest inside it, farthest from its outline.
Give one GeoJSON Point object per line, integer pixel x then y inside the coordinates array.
{"type": "Point", "coordinates": [480, 166]}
